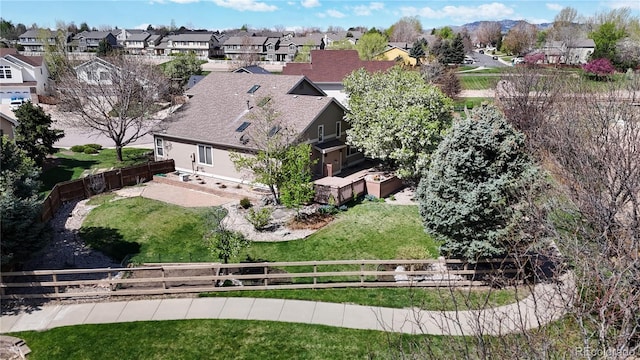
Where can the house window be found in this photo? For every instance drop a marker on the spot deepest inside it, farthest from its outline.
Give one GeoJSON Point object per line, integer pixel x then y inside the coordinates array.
{"type": "Point", "coordinates": [159, 147]}
{"type": "Point", "coordinates": [205, 155]}
{"type": "Point", "coordinates": [351, 150]}
{"type": "Point", "coordinates": [5, 72]}
{"type": "Point", "coordinates": [320, 133]}
{"type": "Point", "coordinates": [104, 76]}
{"type": "Point", "coordinates": [338, 129]}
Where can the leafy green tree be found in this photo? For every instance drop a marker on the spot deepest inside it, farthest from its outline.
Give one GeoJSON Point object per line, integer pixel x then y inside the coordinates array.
{"type": "Point", "coordinates": [275, 159]}
{"type": "Point", "coordinates": [396, 117]}
{"type": "Point", "coordinates": [304, 55]}
{"type": "Point", "coordinates": [104, 48]}
{"type": "Point", "coordinates": [606, 37]}
{"type": "Point", "coordinates": [370, 45]}
{"type": "Point", "coordinates": [34, 134]}
{"type": "Point", "coordinates": [297, 187]}
{"type": "Point", "coordinates": [20, 207]}
{"type": "Point", "coordinates": [182, 67]}
{"type": "Point", "coordinates": [84, 27]}
{"type": "Point", "coordinates": [469, 198]}
{"type": "Point", "coordinates": [445, 33]}
{"type": "Point", "coordinates": [222, 242]}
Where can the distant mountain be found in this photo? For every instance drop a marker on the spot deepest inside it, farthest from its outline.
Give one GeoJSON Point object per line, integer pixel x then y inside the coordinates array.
{"type": "Point", "coordinates": [506, 25]}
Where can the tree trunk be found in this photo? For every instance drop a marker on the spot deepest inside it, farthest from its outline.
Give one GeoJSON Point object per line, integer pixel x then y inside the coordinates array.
{"type": "Point", "coordinates": [119, 153]}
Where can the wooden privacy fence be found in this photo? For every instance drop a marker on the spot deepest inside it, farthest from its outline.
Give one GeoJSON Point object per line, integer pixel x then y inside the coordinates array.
{"type": "Point", "coordinates": [101, 182]}
{"type": "Point", "coordinates": [197, 278]}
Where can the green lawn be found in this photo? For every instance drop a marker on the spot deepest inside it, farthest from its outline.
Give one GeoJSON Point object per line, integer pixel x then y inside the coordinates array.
{"type": "Point", "coordinates": [71, 165]}
{"type": "Point", "coordinates": [424, 298]}
{"type": "Point", "coordinates": [478, 82]}
{"type": "Point", "coordinates": [241, 339]}
{"type": "Point", "coordinates": [157, 231]}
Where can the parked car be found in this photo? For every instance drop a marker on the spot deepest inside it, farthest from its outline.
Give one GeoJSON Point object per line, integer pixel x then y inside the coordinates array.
{"type": "Point", "coordinates": [517, 60]}
{"type": "Point", "coordinates": [495, 57]}
{"type": "Point", "coordinates": [481, 51]}
{"type": "Point", "coordinates": [16, 103]}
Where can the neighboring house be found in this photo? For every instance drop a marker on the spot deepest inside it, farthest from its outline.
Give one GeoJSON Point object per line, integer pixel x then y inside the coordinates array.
{"type": "Point", "coordinates": [398, 52]}
{"type": "Point", "coordinates": [201, 43]}
{"type": "Point", "coordinates": [8, 123]}
{"type": "Point", "coordinates": [22, 77]}
{"type": "Point", "coordinates": [252, 69]}
{"type": "Point", "coordinates": [280, 50]}
{"type": "Point", "coordinates": [34, 40]}
{"type": "Point", "coordinates": [237, 47]}
{"type": "Point", "coordinates": [152, 42]}
{"type": "Point", "coordinates": [575, 53]}
{"type": "Point", "coordinates": [328, 68]}
{"type": "Point", "coordinates": [123, 35]}
{"type": "Point", "coordinates": [90, 40]}
{"type": "Point", "coordinates": [137, 44]}
{"type": "Point", "coordinates": [95, 71]}
{"type": "Point", "coordinates": [217, 120]}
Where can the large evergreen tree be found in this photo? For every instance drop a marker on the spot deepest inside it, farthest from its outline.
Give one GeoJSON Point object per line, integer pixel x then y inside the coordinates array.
{"type": "Point", "coordinates": [34, 134]}
{"type": "Point", "coordinates": [22, 232]}
{"type": "Point", "coordinates": [470, 195]}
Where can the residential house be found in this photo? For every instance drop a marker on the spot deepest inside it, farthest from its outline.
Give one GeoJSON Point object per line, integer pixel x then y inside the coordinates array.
{"type": "Point", "coordinates": [152, 42]}
{"type": "Point", "coordinates": [22, 77]}
{"type": "Point", "coordinates": [575, 52]}
{"type": "Point", "coordinates": [328, 68]}
{"type": "Point", "coordinates": [8, 123]}
{"type": "Point", "coordinates": [95, 71]}
{"type": "Point", "coordinates": [398, 52]}
{"type": "Point", "coordinates": [218, 119]}
{"type": "Point", "coordinates": [89, 41]}
{"type": "Point", "coordinates": [201, 43]}
{"type": "Point", "coordinates": [238, 47]}
{"type": "Point", "coordinates": [136, 43]}
{"type": "Point", "coordinates": [34, 40]}
{"type": "Point", "coordinates": [123, 34]}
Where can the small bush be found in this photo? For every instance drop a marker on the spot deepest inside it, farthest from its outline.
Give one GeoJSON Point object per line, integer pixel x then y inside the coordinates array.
{"type": "Point", "coordinates": [77, 148]}
{"type": "Point", "coordinates": [259, 218]}
{"type": "Point", "coordinates": [90, 150]}
{"type": "Point", "coordinates": [245, 203]}
{"type": "Point", "coordinates": [94, 146]}
{"type": "Point", "coordinates": [328, 210]}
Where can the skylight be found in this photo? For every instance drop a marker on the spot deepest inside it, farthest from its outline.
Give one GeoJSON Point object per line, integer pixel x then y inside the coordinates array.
{"type": "Point", "coordinates": [253, 89]}
{"type": "Point", "coordinates": [274, 130]}
{"type": "Point", "coordinates": [243, 126]}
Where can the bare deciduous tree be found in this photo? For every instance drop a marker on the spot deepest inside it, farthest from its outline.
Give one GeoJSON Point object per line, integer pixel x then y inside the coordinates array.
{"type": "Point", "coordinates": [489, 33]}
{"type": "Point", "coordinates": [521, 38]}
{"type": "Point", "coordinates": [248, 56]}
{"type": "Point", "coordinates": [407, 29]}
{"type": "Point", "coordinates": [118, 98]}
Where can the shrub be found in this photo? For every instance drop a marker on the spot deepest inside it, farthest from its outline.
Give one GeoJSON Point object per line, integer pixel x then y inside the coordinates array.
{"type": "Point", "coordinates": [77, 148]}
{"type": "Point", "coordinates": [90, 150]}
{"type": "Point", "coordinates": [94, 146]}
{"type": "Point", "coordinates": [328, 209]}
{"type": "Point", "coordinates": [259, 218]}
{"type": "Point", "coordinates": [245, 203]}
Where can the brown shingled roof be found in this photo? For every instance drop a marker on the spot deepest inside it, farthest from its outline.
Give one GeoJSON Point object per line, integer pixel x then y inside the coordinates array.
{"type": "Point", "coordinates": [332, 66]}
{"type": "Point", "coordinates": [31, 60]}
{"type": "Point", "coordinates": [218, 106]}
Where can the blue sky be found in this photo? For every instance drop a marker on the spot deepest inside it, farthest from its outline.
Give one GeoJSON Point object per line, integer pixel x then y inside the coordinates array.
{"type": "Point", "coordinates": [291, 14]}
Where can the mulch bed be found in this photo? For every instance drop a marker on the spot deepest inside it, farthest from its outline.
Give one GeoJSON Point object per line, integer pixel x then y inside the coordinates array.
{"type": "Point", "coordinates": [312, 221]}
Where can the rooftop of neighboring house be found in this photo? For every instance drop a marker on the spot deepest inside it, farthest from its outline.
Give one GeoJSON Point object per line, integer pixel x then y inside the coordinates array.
{"type": "Point", "coordinates": [30, 60]}
{"type": "Point", "coordinates": [190, 36]}
{"type": "Point", "coordinates": [332, 66]}
{"type": "Point", "coordinates": [400, 45]}
{"type": "Point", "coordinates": [253, 69]}
{"type": "Point", "coordinates": [92, 34]}
{"type": "Point", "coordinates": [139, 37]}
{"type": "Point", "coordinates": [221, 103]}
{"type": "Point", "coordinates": [36, 33]}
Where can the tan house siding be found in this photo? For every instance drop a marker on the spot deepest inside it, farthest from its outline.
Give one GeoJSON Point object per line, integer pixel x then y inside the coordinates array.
{"type": "Point", "coordinates": [328, 120]}
{"type": "Point", "coordinates": [182, 151]}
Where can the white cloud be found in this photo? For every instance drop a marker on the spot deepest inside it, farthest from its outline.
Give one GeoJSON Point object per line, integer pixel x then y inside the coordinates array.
{"type": "Point", "coordinates": [366, 10]}
{"type": "Point", "coordinates": [244, 5]}
{"type": "Point", "coordinates": [335, 14]}
{"type": "Point", "coordinates": [310, 3]}
{"type": "Point", "coordinates": [556, 7]}
{"type": "Point", "coordinates": [631, 4]}
{"type": "Point", "coordinates": [142, 26]}
{"type": "Point", "coordinates": [462, 13]}
{"type": "Point", "coordinates": [174, 1]}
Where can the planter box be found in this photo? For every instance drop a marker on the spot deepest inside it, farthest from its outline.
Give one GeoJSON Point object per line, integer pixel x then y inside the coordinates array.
{"type": "Point", "coordinates": [384, 187]}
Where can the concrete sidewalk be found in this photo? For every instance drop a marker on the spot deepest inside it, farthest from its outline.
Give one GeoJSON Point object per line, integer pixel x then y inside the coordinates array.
{"type": "Point", "coordinates": [547, 303]}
